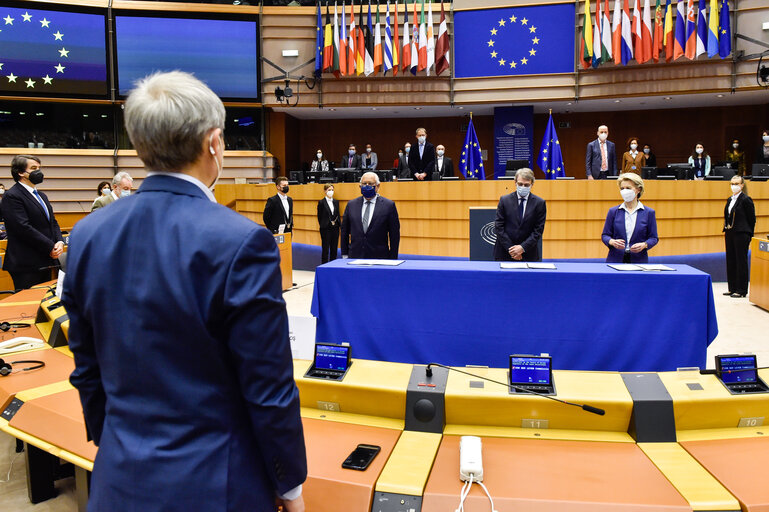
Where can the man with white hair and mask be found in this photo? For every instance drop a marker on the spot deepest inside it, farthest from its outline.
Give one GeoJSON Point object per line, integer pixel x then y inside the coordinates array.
{"type": "Point", "coordinates": [192, 402]}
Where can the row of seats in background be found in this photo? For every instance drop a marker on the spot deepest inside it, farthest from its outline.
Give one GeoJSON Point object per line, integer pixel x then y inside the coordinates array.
{"type": "Point", "coordinates": [685, 171]}
{"type": "Point", "coordinates": [349, 175]}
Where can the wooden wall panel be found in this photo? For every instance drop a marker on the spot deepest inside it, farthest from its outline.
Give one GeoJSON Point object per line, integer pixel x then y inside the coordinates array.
{"type": "Point", "coordinates": [435, 216]}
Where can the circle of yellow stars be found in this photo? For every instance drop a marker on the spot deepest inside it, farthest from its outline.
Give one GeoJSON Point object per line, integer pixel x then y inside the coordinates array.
{"type": "Point", "coordinates": [511, 21]}
{"type": "Point", "coordinates": [58, 36]}
{"type": "Point", "coordinates": [548, 170]}
{"type": "Point", "coordinates": [472, 172]}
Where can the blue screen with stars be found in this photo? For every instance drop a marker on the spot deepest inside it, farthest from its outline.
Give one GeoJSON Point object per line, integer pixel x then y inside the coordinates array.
{"type": "Point", "coordinates": [223, 53]}
{"type": "Point", "coordinates": [52, 53]}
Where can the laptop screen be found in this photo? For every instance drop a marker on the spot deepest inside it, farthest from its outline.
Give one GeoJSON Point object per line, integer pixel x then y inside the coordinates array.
{"type": "Point", "coordinates": [734, 369]}
{"type": "Point", "coordinates": [530, 370]}
{"type": "Point", "coordinates": [332, 357]}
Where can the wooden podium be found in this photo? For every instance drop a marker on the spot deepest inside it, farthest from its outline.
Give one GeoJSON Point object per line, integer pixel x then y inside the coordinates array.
{"type": "Point", "coordinates": [286, 263]}
{"type": "Point", "coordinates": [759, 272]}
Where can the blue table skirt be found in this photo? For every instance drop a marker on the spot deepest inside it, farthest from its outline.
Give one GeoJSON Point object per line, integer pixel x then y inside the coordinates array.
{"type": "Point", "coordinates": [587, 316]}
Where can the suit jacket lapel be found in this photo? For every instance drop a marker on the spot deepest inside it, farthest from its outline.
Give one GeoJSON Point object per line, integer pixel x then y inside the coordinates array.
{"type": "Point", "coordinates": [38, 203]}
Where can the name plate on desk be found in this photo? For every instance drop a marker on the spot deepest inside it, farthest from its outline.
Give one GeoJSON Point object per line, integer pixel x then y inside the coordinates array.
{"type": "Point", "coordinates": [279, 239]}
{"type": "Point", "coordinates": [763, 246]}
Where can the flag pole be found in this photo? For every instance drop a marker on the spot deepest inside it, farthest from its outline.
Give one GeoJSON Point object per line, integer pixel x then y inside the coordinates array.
{"type": "Point", "coordinates": [551, 111]}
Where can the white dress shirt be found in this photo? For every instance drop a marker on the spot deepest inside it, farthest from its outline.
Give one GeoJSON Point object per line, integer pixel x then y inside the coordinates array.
{"type": "Point", "coordinates": [630, 220]}
{"type": "Point", "coordinates": [188, 178]}
{"type": "Point", "coordinates": [284, 200]}
{"type": "Point", "coordinates": [371, 208]}
{"type": "Point", "coordinates": [439, 163]}
{"type": "Point", "coordinates": [734, 200]}
{"type": "Point", "coordinates": [525, 203]}
{"type": "Point", "coordinates": [330, 204]}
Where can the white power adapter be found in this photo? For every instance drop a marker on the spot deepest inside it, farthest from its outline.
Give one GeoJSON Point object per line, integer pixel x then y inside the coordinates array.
{"type": "Point", "coordinates": [470, 459]}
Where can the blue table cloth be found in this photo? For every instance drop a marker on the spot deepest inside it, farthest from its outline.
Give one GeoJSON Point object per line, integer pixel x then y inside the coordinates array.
{"type": "Point", "coordinates": [587, 316]}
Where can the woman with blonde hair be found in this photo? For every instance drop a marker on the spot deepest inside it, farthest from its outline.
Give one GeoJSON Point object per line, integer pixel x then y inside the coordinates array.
{"type": "Point", "coordinates": [631, 228]}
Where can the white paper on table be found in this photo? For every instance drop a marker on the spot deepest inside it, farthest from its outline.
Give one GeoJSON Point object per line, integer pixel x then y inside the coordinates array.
{"type": "Point", "coordinates": [386, 263]}
{"type": "Point", "coordinates": [513, 264]}
{"type": "Point", "coordinates": [654, 266]}
{"type": "Point", "coordinates": [543, 266]}
{"type": "Point", "coordinates": [624, 267]}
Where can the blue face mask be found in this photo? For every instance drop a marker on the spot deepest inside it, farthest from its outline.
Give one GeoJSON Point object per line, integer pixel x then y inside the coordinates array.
{"type": "Point", "coordinates": [368, 191]}
{"type": "Point", "coordinates": [125, 193]}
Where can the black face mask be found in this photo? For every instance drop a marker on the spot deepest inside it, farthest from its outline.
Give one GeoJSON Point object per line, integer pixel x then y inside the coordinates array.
{"type": "Point", "coordinates": [284, 189]}
{"type": "Point", "coordinates": [36, 177]}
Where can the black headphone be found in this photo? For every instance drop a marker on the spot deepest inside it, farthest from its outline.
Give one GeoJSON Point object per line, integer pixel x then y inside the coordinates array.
{"type": "Point", "coordinates": [6, 326]}
{"type": "Point", "coordinates": [7, 368]}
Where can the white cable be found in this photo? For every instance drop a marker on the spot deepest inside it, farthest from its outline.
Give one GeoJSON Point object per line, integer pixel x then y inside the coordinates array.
{"type": "Point", "coordinates": [489, 495]}
{"type": "Point", "coordinates": [8, 476]}
{"type": "Point", "coordinates": [465, 491]}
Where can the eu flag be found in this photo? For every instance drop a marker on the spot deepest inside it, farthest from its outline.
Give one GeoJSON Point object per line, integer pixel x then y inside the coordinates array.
{"type": "Point", "coordinates": [471, 162]}
{"type": "Point", "coordinates": [550, 157]}
{"type": "Point", "coordinates": [725, 31]}
{"type": "Point", "coordinates": [52, 52]}
{"type": "Point", "coordinates": [514, 41]}
{"type": "Point", "coordinates": [318, 45]}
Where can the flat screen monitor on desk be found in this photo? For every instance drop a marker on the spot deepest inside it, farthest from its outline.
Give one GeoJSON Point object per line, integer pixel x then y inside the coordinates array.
{"type": "Point", "coordinates": [348, 174]}
{"type": "Point", "coordinates": [681, 171]}
{"type": "Point", "coordinates": [384, 175]}
{"type": "Point", "coordinates": [760, 170]}
{"type": "Point", "coordinates": [315, 176]}
{"type": "Point", "coordinates": [724, 172]}
{"type": "Point", "coordinates": [533, 373]}
{"type": "Point", "coordinates": [514, 165]}
{"type": "Point", "coordinates": [649, 173]}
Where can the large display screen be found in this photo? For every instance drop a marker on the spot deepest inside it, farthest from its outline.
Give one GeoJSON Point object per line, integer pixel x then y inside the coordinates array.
{"type": "Point", "coordinates": [223, 53]}
{"type": "Point", "coordinates": [52, 53]}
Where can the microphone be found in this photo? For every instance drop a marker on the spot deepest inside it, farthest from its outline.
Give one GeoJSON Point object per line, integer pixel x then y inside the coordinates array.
{"type": "Point", "coordinates": [584, 407]}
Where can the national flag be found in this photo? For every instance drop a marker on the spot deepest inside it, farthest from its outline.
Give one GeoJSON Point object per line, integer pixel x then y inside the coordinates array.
{"type": "Point", "coordinates": [646, 35]}
{"type": "Point", "coordinates": [378, 56]}
{"type": "Point", "coordinates": [430, 38]}
{"type": "Point", "coordinates": [668, 38]}
{"type": "Point", "coordinates": [691, 28]}
{"type": "Point", "coordinates": [442, 46]}
{"type": "Point", "coordinates": [406, 54]}
{"type": "Point", "coordinates": [335, 67]}
{"type": "Point", "coordinates": [606, 35]}
{"type": "Point", "coordinates": [586, 50]}
{"type": "Point", "coordinates": [422, 60]}
{"type": "Point", "coordinates": [352, 42]}
{"type": "Point", "coordinates": [471, 161]}
{"type": "Point", "coordinates": [597, 35]}
{"type": "Point", "coordinates": [713, 29]}
{"type": "Point", "coordinates": [396, 42]}
{"type": "Point", "coordinates": [627, 34]}
{"type": "Point", "coordinates": [637, 51]}
{"type": "Point", "coordinates": [550, 157]}
{"type": "Point", "coordinates": [360, 47]}
{"type": "Point", "coordinates": [616, 33]}
{"type": "Point", "coordinates": [414, 42]}
{"type": "Point", "coordinates": [388, 46]}
{"type": "Point", "coordinates": [702, 31]}
{"type": "Point", "coordinates": [368, 58]}
{"type": "Point", "coordinates": [343, 44]}
{"type": "Point", "coordinates": [328, 43]}
{"type": "Point", "coordinates": [319, 45]}
{"type": "Point", "coordinates": [724, 31]}
{"type": "Point", "coordinates": [659, 31]}
{"type": "Point", "coordinates": [680, 35]}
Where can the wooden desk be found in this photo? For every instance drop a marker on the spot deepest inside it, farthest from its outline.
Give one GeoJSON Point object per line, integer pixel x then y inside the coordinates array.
{"type": "Point", "coordinates": [759, 272]}
{"type": "Point", "coordinates": [286, 261]}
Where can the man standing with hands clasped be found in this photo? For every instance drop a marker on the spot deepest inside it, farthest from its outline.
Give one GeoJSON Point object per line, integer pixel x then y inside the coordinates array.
{"type": "Point", "coordinates": [520, 221]}
{"type": "Point", "coordinates": [601, 156]}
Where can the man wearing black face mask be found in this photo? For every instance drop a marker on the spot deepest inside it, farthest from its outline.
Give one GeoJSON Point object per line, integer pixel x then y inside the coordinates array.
{"type": "Point", "coordinates": [279, 209]}
{"type": "Point", "coordinates": [34, 237]}
{"type": "Point", "coordinates": [370, 226]}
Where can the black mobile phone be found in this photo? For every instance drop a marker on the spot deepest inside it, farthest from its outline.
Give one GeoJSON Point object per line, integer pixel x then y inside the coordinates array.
{"type": "Point", "coordinates": [361, 457]}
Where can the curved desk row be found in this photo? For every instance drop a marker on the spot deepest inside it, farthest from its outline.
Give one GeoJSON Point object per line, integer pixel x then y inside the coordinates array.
{"type": "Point", "coordinates": [668, 441]}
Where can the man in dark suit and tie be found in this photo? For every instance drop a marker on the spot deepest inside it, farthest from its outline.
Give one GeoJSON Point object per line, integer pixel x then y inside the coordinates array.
{"type": "Point", "coordinates": [370, 226]}
{"type": "Point", "coordinates": [404, 171]}
{"type": "Point", "coordinates": [34, 237]}
{"type": "Point", "coordinates": [352, 159]}
{"type": "Point", "coordinates": [444, 167]}
{"type": "Point", "coordinates": [520, 222]}
{"type": "Point", "coordinates": [192, 400]}
{"type": "Point", "coordinates": [279, 209]}
{"type": "Point", "coordinates": [421, 157]}
{"type": "Point", "coordinates": [601, 156]}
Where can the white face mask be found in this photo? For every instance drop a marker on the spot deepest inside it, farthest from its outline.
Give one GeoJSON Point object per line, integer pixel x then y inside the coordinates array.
{"type": "Point", "coordinates": [603, 136]}
{"type": "Point", "coordinates": [126, 193]}
{"type": "Point", "coordinates": [105, 191]}
{"type": "Point", "coordinates": [699, 151]}
{"type": "Point", "coordinates": [523, 191]}
{"type": "Point", "coordinates": [330, 193]}
{"type": "Point", "coordinates": [735, 145]}
{"type": "Point", "coordinates": [422, 139]}
{"type": "Point", "coordinates": [736, 189]}
{"type": "Point", "coordinates": [627, 194]}
{"type": "Point", "coordinates": [320, 155]}
{"type": "Point", "coordinates": [368, 150]}
{"type": "Point", "coordinates": [765, 138]}
{"type": "Point", "coordinates": [634, 146]}
{"type": "Point", "coordinates": [440, 152]}
{"type": "Point", "coordinates": [647, 151]}
{"type": "Point", "coordinates": [407, 148]}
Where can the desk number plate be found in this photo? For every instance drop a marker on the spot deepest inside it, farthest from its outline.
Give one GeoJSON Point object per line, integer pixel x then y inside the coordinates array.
{"type": "Point", "coordinates": [328, 406]}
{"type": "Point", "coordinates": [751, 422]}
{"type": "Point", "coordinates": [528, 423]}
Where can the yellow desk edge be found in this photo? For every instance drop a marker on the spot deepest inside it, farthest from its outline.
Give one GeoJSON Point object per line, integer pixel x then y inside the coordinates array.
{"type": "Point", "coordinates": [410, 464]}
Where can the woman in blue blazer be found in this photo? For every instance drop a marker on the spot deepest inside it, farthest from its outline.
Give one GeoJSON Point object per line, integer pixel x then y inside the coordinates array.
{"type": "Point", "coordinates": [630, 217]}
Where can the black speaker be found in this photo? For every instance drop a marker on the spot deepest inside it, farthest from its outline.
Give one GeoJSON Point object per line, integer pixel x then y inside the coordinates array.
{"type": "Point", "coordinates": [425, 400]}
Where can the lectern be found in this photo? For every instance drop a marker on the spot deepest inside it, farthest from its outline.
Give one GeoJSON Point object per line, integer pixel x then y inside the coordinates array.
{"type": "Point", "coordinates": [284, 246]}
{"type": "Point", "coordinates": [759, 272]}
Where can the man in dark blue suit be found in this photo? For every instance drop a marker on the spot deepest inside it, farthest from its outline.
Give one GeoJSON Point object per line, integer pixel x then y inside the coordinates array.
{"type": "Point", "coordinates": [191, 399]}
{"type": "Point", "coordinates": [421, 157]}
{"type": "Point", "coordinates": [520, 222]}
{"type": "Point", "coordinates": [370, 226]}
{"type": "Point", "coordinates": [601, 156]}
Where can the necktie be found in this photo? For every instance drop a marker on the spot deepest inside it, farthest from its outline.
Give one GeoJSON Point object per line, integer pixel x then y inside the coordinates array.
{"type": "Point", "coordinates": [42, 203]}
{"type": "Point", "coordinates": [604, 160]}
{"type": "Point", "coordinates": [520, 207]}
{"type": "Point", "coordinates": [350, 164]}
{"type": "Point", "coordinates": [421, 150]}
{"type": "Point", "coordinates": [366, 213]}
